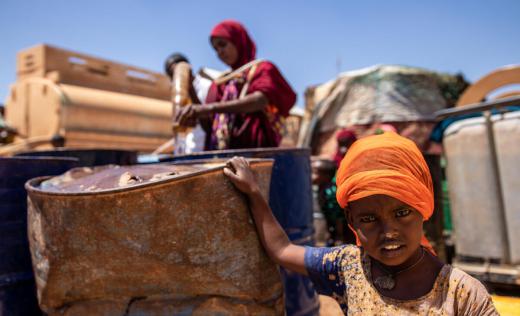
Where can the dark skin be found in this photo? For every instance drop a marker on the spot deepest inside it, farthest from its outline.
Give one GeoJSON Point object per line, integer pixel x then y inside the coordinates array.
{"type": "Point", "coordinates": [226, 51]}
{"type": "Point", "coordinates": [256, 101]}
{"type": "Point", "coordinates": [381, 222]}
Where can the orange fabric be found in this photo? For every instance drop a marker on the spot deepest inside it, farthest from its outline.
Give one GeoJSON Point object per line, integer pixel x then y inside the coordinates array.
{"type": "Point", "coordinates": [386, 164]}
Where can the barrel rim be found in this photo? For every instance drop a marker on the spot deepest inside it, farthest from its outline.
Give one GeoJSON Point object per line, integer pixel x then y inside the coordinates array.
{"type": "Point", "coordinates": [237, 152]}
{"type": "Point", "coordinates": [40, 158]}
{"type": "Point", "coordinates": [71, 149]}
{"type": "Point", "coordinates": [32, 185]}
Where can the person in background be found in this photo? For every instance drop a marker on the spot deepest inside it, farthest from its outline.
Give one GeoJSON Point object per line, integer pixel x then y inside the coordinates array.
{"type": "Point", "coordinates": [169, 63]}
{"type": "Point", "coordinates": [7, 133]}
{"type": "Point", "coordinates": [324, 183]}
{"type": "Point", "coordinates": [201, 81]}
{"type": "Point", "coordinates": [386, 190]}
{"type": "Point", "coordinates": [195, 137]}
{"type": "Point", "coordinates": [344, 138]}
{"type": "Point", "coordinates": [246, 108]}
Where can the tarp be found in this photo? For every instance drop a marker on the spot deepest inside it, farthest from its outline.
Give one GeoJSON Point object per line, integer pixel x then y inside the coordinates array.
{"type": "Point", "coordinates": [382, 94]}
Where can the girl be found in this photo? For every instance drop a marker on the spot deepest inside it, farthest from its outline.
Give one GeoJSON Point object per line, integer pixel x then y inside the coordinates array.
{"type": "Point", "coordinates": [385, 188]}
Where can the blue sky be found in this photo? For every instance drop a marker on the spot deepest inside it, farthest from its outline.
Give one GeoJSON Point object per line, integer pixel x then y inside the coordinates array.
{"type": "Point", "coordinates": [306, 39]}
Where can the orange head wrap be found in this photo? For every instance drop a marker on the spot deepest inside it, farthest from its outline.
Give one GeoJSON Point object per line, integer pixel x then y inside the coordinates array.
{"type": "Point", "coordinates": [386, 164]}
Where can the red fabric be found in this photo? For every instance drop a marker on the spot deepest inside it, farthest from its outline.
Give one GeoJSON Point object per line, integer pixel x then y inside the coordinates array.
{"type": "Point", "coordinates": [268, 80]}
{"type": "Point", "coordinates": [253, 129]}
{"type": "Point", "coordinates": [345, 137]}
{"type": "Point", "coordinates": [236, 33]}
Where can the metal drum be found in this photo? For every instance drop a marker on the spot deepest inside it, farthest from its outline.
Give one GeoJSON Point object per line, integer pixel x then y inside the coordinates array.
{"type": "Point", "coordinates": [290, 198]}
{"type": "Point", "coordinates": [17, 289]}
{"type": "Point", "coordinates": [90, 157]}
{"type": "Point", "coordinates": [157, 239]}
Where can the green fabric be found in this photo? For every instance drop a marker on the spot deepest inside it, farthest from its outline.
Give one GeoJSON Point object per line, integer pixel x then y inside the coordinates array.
{"type": "Point", "coordinates": [329, 204]}
{"type": "Point", "coordinates": [446, 207]}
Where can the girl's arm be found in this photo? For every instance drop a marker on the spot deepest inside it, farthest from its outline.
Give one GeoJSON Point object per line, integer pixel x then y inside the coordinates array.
{"type": "Point", "coordinates": [273, 238]}
{"type": "Point", "coordinates": [253, 102]}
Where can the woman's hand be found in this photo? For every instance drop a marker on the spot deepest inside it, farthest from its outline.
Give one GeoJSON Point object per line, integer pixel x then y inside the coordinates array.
{"type": "Point", "coordinates": [239, 172]}
{"type": "Point", "coordinates": [188, 115]}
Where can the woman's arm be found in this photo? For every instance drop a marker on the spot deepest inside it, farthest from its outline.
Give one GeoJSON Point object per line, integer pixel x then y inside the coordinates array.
{"type": "Point", "coordinates": [273, 238]}
{"type": "Point", "coordinates": [253, 102]}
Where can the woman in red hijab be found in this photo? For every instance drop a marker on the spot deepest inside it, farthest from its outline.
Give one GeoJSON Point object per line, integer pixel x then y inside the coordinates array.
{"type": "Point", "coordinates": [246, 107]}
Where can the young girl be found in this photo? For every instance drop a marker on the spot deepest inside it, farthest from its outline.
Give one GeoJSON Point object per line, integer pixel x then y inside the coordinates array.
{"type": "Point", "coordinates": [385, 188]}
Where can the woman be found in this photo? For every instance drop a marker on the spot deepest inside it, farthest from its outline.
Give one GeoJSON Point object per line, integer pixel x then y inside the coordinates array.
{"type": "Point", "coordinates": [245, 108]}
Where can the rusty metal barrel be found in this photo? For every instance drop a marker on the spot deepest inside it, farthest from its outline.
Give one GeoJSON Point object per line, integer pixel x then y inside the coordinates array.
{"type": "Point", "coordinates": [89, 157]}
{"type": "Point", "coordinates": [17, 288]}
{"type": "Point", "coordinates": [157, 239]}
{"type": "Point", "coordinates": [290, 199]}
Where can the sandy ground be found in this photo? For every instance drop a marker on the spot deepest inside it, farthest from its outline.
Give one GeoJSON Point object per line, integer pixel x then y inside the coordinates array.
{"type": "Point", "coordinates": [506, 306]}
{"type": "Point", "coordinates": [329, 307]}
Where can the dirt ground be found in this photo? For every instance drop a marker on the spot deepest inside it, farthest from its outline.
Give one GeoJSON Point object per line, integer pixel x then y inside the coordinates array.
{"type": "Point", "coordinates": [506, 306]}
{"type": "Point", "coordinates": [329, 307]}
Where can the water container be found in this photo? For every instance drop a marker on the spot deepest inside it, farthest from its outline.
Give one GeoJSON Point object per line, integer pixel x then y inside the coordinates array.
{"type": "Point", "coordinates": [17, 288]}
{"type": "Point", "coordinates": [290, 199]}
{"type": "Point", "coordinates": [474, 200]}
{"type": "Point", "coordinates": [89, 157]}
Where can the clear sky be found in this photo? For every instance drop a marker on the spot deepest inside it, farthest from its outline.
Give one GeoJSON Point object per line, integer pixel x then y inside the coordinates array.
{"type": "Point", "coordinates": [308, 40]}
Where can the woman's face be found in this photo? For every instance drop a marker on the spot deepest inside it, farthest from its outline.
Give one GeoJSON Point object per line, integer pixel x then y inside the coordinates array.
{"type": "Point", "coordinates": [226, 51]}
{"type": "Point", "coordinates": [389, 230]}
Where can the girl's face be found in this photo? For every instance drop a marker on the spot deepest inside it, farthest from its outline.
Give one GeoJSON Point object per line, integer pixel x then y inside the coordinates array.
{"type": "Point", "coordinates": [226, 51]}
{"type": "Point", "coordinates": [389, 230]}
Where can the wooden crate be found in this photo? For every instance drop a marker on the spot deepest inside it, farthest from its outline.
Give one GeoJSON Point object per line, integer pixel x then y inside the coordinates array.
{"type": "Point", "coordinates": [90, 102]}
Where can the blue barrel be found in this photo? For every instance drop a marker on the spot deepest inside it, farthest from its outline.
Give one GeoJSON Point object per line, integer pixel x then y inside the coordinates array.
{"type": "Point", "coordinates": [89, 157]}
{"type": "Point", "coordinates": [290, 199]}
{"type": "Point", "coordinates": [17, 287]}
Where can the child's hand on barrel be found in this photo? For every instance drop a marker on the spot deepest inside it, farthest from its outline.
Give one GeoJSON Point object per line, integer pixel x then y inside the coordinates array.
{"type": "Point", "coordinates": [239, 172]}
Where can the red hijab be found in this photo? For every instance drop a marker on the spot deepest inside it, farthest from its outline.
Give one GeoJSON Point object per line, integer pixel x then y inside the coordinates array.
{"type": "Point", "coordinates": [236, 33]}
{"type": "Point", "coordinates": [266, 79]}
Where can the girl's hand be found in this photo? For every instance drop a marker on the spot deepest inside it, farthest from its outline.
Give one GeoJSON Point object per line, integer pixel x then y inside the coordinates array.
{"type": "Point", "coordinates": [239, 172]}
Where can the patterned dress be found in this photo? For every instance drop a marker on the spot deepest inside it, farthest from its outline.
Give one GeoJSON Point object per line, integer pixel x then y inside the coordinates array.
{"type": "Point", "coordinates": [253, 129]}
{"type": "Point", "coordinates": [245, 130]}
{"type": "Point", "coordinates": [344, 274]}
